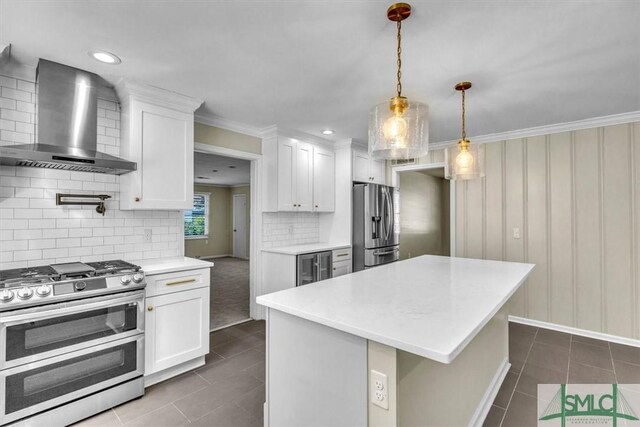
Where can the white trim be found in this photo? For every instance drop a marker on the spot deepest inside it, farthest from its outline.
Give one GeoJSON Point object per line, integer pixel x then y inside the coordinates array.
{"type": "Point", "coordinates": [255, 219]}
{"type": "Point", "coordinates": [395, 182]}
{"type": "Point", "coordinates": [215, 256]}
{"type": "Point", "coordinates": [173, 371]}
{"type": "Point", "coordinates": [490, 395]}
{"type": "Point", "coordinates": [576, 331]}
{"type": "Point", "coordinates": [239, 322]}
{"type": "Point", "coordinates": [128, 90]}
{"type": "Point", "coordinates": [222, 151]}
{"type": "Point", "coordinates": [614, 119]}
{"type": "Point", "coordinates": [279, 131]}
{"type": "Point", "coordinates": [226, 124]}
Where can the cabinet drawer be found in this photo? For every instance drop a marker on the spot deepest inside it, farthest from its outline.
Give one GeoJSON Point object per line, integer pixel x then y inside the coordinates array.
{"type": "Point", "coordinates": [341, 268]}
{"type": "Point", "coordinates": [341, 254]}
{"type": "Point", "coordinates": [176, 282]}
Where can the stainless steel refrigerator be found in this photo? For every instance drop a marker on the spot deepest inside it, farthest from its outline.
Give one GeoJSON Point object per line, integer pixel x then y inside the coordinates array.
{"type": "Point", "coordinates": [376, 225]}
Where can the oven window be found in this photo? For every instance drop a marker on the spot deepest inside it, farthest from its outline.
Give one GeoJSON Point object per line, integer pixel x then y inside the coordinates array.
{"type": "Point", "coordinates": [30, 388]}
{"type": "Point", "coordinates": [28, 339]}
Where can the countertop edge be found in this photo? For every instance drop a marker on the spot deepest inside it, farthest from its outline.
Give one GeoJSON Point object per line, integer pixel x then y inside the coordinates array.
{"type": "Point", "coordinates": [172, 265]}
{"type": "Point", "coordinates": [446, 358]}
{"type": "Point", "coordinates": [287, 250]}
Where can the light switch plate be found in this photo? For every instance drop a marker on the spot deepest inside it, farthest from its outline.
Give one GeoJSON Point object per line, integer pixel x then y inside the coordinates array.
{"type": "Point", "coordinates": [379, 389]}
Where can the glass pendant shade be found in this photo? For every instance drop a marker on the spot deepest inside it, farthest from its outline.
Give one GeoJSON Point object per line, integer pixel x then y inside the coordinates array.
{"type": "Point", "coordinates": [464, 161]}
{"type": "Point", "coordinates": [399, 133]}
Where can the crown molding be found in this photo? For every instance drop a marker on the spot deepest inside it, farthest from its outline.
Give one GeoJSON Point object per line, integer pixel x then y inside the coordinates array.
{"type": "Point", "coordinates": [231, 125]}
{"type": "Point", "coordinates": [279, 131]}
{"type": "Point", "coordinates": [127, 89]}
{"type": "Point", "coordinates": [594, 122]}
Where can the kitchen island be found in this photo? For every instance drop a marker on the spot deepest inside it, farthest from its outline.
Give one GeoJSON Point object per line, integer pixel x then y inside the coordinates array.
{"type": "Point", "coordinates": [431, 330]}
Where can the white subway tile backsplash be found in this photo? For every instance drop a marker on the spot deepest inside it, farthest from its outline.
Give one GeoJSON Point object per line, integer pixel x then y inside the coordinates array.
{"type": "Point", "coordinates": [34, 231]}
{"type": "Point", "coordinates": [289, 228]}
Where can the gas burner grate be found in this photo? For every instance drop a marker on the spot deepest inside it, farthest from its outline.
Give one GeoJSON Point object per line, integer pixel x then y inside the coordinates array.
{"type": "Point", "coordinates": [113, 267]}
{"type": "Point", "coordinates": [26, 274]}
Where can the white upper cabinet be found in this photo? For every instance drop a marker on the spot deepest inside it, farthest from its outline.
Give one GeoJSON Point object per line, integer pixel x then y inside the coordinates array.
{"type": "Point", "coordinates": [157, 134]}
{"type": "Point", "coordinates": [366, 169]}
{"type": "Point", "coordinates": [298, 176]}
{"type": "Point", "coordinates": [324, 180]}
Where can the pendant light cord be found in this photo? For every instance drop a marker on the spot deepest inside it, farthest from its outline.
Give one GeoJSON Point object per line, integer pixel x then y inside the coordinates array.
{"type": "Point", "coordinates": [464, 132]}
{"type": "Point", "coordinates": [399, 86]}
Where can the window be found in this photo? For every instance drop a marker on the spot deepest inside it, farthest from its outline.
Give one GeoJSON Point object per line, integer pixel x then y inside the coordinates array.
{"type": "Point", "coordinates": [196, 221]}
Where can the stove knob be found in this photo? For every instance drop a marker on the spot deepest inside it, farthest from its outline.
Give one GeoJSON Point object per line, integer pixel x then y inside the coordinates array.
{"type": "Point", "coordinates": [25, 293]}
{"type": "Point", "coordinates": [6, 295]}
{"type": "Point", "coordinates": [79, 286]}
{"type": "Point", "coordinates": [125, 280]}
{"type": "Point", "coordinates": [137, 278]}
{"type": "Point", "coordinates": [43, 290]}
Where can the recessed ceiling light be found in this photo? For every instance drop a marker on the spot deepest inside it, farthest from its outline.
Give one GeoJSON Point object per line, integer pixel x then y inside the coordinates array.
{"type": "Point", "coordinates": [105, 57]}
{"type": "Point", "coordinates": [327, 132]}
{"type": "Point", "coordinates": [232, 167]}
{"type": "Point", "coordinates": [214, 170]}
{"type": "Point", "coordinates": [203, 177]}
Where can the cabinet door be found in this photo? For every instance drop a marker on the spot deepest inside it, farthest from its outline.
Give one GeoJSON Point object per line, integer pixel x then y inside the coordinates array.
{"type": "Point", "coordinates": [304, 177]}
{"type": "Point", "coordinates": [340, 268]}
{"type": "Point", "coordinates": [286, 175]}
{"type": "Point", "coordinates": [378, 171]}
{"type": "Point", "coordinates": [324, 177]}
{"type": "Point", "coordinates": [361, 166]}
{"type": "Point", "coordinates": [163, 141]}
{"type": "Point", "coordinates": [177, 329]}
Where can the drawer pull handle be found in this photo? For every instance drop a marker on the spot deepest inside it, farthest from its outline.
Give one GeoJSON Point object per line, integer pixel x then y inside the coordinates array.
{"type": "Point", "coordinates": [150, 308]}
{"type": "Point", "coordinates": [181, 282]}
{"type": "Point", "coordinates": [342, 255]}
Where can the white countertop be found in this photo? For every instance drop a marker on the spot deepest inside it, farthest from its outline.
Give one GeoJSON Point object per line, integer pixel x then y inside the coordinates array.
{"type": "Point", "coordinates": [430, 306]}
{"type": "Point", "coordinates": [306, 248]}
{"type": "Point", "coordinates": [169, 265]}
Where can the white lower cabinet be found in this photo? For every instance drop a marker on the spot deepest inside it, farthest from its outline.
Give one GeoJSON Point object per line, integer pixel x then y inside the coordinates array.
{"type": "Point", "coordinates": [176, 323]}
{"type": "Point", "coordinates": [341, 268]}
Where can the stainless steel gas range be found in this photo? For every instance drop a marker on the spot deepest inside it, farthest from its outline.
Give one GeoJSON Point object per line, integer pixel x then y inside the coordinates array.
{"type": "Point", "coordinates": [71, 341]}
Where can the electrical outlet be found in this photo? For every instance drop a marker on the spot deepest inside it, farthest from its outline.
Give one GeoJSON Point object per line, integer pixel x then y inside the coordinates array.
{"type": "Point", "coordinates": [148, 234]}
{"type": "Point", "coordinates": [516, 233]}
{"type": "Point", "coordinates": [379, 389]}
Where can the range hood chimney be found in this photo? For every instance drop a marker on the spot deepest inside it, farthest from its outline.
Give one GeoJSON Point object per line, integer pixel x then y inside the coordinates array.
{"type": "Point", "coordinates": [66, 134]}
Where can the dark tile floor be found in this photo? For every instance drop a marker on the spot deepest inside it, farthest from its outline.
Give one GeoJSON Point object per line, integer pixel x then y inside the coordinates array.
{"type": "Point", "coordinates": [542, 356]}
{"type": "Point", "coordinates": [230, 295]}
{"type": "Point", "coordinates": [228, 391]}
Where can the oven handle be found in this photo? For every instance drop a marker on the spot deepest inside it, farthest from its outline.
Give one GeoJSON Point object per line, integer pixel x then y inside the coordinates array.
{"type": "Point", "coordinates": [63, 311]}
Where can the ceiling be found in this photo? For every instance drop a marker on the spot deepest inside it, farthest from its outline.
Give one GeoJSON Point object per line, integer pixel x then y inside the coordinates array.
{"type": "Point", "coordinates": [230, 171]}
{"type": "Point", "coordinates": [311, 65]}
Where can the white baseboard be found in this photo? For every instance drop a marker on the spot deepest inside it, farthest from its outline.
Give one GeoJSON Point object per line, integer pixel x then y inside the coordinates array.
{"type": "Point", "coordinates": [173, 371]}
{"type": "Point", "coordinates": [490, 395]}
{"type": "Point", "coordinates": [216, 256]}
{"type": "Point", "coordinates": [231, 324]}
{"type": "Point", "coordinates": [576, 331]}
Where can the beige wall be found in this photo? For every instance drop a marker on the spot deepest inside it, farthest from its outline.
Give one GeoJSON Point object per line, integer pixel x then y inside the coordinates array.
{"type": "Point", "coordinates": [219, 241]}
{"type": "Point", "coordinates": [246, 191]}
{"type": "Point", "coordinates": [227, 139]}
{"type": "Point", "coordinates": [423, 216]}
{"type": "Point", "coordinates": [575, 197]}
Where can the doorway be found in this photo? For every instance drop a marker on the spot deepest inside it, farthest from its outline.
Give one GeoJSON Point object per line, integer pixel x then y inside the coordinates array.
{"type": "Point", "coordinates": [223, 186]}
{"type": "Point", "coordinates": [240, 235]}
{"type": "Point", "coordinates": [427, 217]}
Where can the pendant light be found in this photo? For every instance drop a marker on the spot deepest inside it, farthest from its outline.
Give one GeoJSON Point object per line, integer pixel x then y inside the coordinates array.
{"type": "Point", "coordinates": [464, 161]}
{"type": "Point", "coordinates": [399, 129]}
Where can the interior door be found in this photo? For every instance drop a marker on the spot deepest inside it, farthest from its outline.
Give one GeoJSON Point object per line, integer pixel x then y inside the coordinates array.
{"type": "Point", "coordinates": [240, 225]}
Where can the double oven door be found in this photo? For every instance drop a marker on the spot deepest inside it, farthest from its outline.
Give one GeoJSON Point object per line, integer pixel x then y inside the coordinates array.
{"type": "Point", "coordinates": [58, 353]}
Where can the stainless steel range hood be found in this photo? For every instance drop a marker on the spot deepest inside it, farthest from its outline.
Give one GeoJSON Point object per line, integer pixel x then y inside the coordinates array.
{"type": "Point", "coordinates": [66, 132]}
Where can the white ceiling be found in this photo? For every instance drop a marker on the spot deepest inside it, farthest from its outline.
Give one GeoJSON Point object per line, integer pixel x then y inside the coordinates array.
{"type": "Point", "coordinates": [205, 164]}
{"type": "Point", "coordinates": [310, 65]}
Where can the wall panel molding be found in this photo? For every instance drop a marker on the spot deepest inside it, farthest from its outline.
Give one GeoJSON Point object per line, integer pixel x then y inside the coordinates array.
{"type": "Point", "coordinates": [575, 197]}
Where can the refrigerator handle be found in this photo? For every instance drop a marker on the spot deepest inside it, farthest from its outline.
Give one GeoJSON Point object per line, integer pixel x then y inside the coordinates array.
{"type": "Point", "coordinates": [388, 214]}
